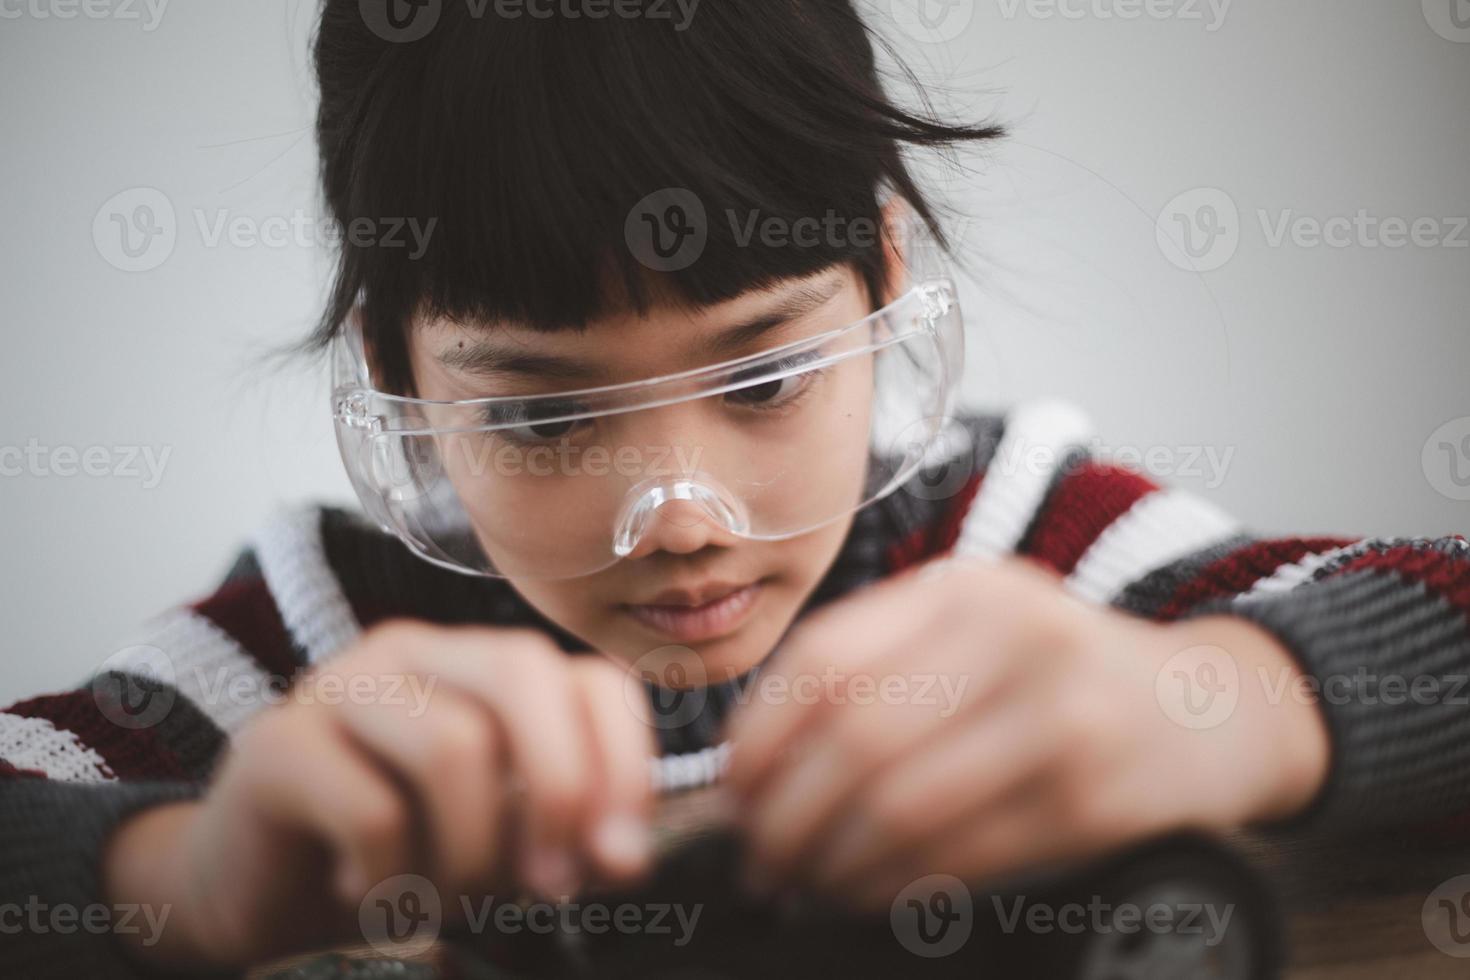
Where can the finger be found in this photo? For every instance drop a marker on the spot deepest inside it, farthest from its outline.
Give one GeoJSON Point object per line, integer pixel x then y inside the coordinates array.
{"type": "Point", "coordinates": [450, 755]}
{"type": "Point", "coordinates": [957, 778]}
{"type": "Point", "coordinates": [621, 743]}
{"type": "Point", "coordinates": [523, 681]}
{"type": "Point", "coordinates": [852, 632]}
{"type": "Point", "coordinates": [337, 794]}
{"type": "Point", "coordinates": [806, 794]}
{"type": "Point", "coordinates": [1037, 826]}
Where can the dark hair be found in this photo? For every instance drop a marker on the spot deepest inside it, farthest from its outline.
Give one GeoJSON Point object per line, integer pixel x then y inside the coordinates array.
{"type": "Point", "coordinates": [529, 140]}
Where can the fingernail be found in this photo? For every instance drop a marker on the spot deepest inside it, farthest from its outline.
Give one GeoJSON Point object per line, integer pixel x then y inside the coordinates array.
{"type": "Point", "coordinates": [551, 872]}
{"type": "Point", "coordinates": [622, 840]}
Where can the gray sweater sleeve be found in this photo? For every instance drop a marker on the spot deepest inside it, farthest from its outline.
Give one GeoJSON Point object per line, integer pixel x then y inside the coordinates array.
{"type": "Point", "coordinates": [1383, 635]}
{"type": "Point", "coordinates": [53, 916]}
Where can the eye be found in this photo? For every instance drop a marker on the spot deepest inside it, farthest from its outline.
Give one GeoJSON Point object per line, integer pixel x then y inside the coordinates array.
{"type": "Point", "coordinates": [512, 422]}
{"type": "Point", "coordinates": [776, 392]}
{"type": "Point", "coordinates": [770, 392]}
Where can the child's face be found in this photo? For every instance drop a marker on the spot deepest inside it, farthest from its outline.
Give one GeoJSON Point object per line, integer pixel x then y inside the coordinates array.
{"type": "Point", "coordinates": [609, 609]}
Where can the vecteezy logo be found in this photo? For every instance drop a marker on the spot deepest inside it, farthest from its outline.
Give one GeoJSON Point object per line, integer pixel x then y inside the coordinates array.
{"type": "Point", "coordinates": [404, 464]}
{"type": "Point", "coordinates": [667, 685]}
{"type": "Point", "coordinates": [1450, 19]}
{"type": "Point", "coordinates": [401, 21]}
{"type": "Point", "coordinates": [403, 911]}
{"type": "Point", "coordinates": [945, 451]}
{"type": "Point", "coordinates": [136, 230]}
{"type": "Point", "coordinates": [933, 916]}
{"type": "Point", "coordinates": [135, 687]}
{"type": "Point", "coordinates": [1199, 230]}
{"type": "Point", "coordinates": [1446, 459]}
{"type": "Point", "coordinates": [1198, 687]}
{"type": "Point", "coordinates": [932, 21]}
{"type": "Point", "coordinates": [1446, 917]}
{"type": "Point", "coordinates": [667, 230]}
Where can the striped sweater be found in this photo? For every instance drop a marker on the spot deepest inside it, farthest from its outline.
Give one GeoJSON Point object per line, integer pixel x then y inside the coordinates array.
{"type": "Point", "coordinates": [153, 721]}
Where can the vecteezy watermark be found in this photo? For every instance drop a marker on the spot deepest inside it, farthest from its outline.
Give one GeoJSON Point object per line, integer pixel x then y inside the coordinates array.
{"type": "Point", "coordinates": [946, 452]}
{"type": "Point", "coordinates": [1450, 19]}
{"type": "Point", "coordinates": [675, 920]}
{"type": "Point", "coordinates": [933, 916]}
{"type": "Point", "coordinates": [835, 686]}
{"type": "Point", "coordinates": [148, 12]}
{"type": "Point", "coordinates": [1199, 687]}
{"type": "Point", "coordinates": [1100, 917]}
{"type": "Point", "coordinates": [1201, 230]}
{"type": "Point", "coordinates": [136, 687]}
{"type": "Point", "coordinates": [1210, 13]}
{"type": "Point", "coordinates": [1365, 687]}
{"type": "Point", "coordinates": [1209, 464]}
{"type": "Point", "coordinates": [137, 230]}
{"type": "Point", "coordinates": [405, 463]}
{"type": "Point", "coordinates": [36, 916]}
{"type": "Point", "coordinates": [144, 463]}
{"type": "Point", "coordinates": [1446, 458]}
{"type": "Point", "coordinates": [831, 230]}
{"type": "Point", "coordinates": [401, 915]}
{"type": "Point", "coordinates": [1446, 917]}
{"type": "Point", "coordinates": [1362, 229]}
{"type": "Point", "coordinates": [932, 21]}
{"type": "Point", "coordinates": [480, 458]}
{"type": "Point", "coordinates": [406, 21]}
{"type": "Point", "coordinates": [406, 913]}
{"type": "Point", "coordinates": [299, 229]}
{"type": "Point", "coordinates": [668, 685]}
{"type": "Point", "coordinates": [667, 230]}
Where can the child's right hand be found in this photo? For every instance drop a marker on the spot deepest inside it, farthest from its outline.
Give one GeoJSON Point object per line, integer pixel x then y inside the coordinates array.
{"type": "Point", "coordinates": [521, 766]}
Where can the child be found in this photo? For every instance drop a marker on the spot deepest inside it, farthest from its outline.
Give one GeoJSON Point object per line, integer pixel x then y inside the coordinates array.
{"type": "Point", "coordinates": [673, 380]}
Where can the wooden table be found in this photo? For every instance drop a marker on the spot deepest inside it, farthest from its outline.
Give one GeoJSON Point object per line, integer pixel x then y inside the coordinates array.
{"type": "Point", "coordinates": [1353, 908]}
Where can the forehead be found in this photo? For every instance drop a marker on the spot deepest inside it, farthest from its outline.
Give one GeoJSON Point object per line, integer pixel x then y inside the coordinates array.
{"type": "Point", "coordinates": [669, 337]}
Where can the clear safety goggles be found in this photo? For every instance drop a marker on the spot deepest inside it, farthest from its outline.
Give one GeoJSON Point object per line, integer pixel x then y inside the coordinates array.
{"type": "Point", "coordinates": [764, 447]}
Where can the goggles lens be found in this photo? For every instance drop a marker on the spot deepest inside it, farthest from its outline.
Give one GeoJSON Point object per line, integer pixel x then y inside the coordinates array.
{"type": "Point", "coordinates": [765, 447]}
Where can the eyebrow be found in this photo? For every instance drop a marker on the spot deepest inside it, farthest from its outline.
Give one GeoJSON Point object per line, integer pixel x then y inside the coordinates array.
{"type": "Point", "coordinates": [487, 359]}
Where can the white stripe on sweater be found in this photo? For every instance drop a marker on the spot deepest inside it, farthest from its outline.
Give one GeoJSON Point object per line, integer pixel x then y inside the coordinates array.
{"type": "Point", "coordinates": [205, 664]}
{"type": "Point", "coordinates": [1159, 528]}
{"type": "Point", "coordinates": [1288, 577]}
{"type": "Point", "coordinates": [1038, 436]}
{"type": "Point", "coordinates": [294, 563]}
{"type": "Point", "coordinates": [673, 773]}
{"type": "Point", "coordinates": [35, 743]}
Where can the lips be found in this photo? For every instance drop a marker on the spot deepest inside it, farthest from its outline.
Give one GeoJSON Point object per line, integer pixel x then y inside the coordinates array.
{"type": "Point", "coordinates": [693, 597]}
{"type": "Point", "coordinates": [704, 613]}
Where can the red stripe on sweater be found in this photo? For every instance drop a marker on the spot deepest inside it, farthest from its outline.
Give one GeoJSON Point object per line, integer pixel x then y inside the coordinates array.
{"type": "Point", "coordinates": [1080, 507]}
{"type": "Point", "coordinates": [246, 610]}
{"type": "Point", "coordinates": [938, 536]}
{"type": "Point", "coordinates": [1445, 575]}
{"type": "Point", "coordinates": [131, 753]}
{"type": "Point", "coordinates": [1238, 571]}
{"type": "Point", "coordinates": [7, 771]}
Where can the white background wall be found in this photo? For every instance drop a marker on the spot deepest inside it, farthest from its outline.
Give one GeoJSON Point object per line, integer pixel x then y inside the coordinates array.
{"type": "Point", "coordinates": [1316, 374]}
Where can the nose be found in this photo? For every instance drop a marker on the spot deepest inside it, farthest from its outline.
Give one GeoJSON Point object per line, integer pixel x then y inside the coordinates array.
{"type": "Point", "coordinates": [680, 516]}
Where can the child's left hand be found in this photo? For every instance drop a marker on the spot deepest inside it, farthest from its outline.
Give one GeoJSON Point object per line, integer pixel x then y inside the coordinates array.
{"type": "Point", "coordinates": [980, 720]}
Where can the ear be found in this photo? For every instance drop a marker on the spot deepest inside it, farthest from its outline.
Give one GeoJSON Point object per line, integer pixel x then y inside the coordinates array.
{"type": "Point", "coordinates": [897, 217]}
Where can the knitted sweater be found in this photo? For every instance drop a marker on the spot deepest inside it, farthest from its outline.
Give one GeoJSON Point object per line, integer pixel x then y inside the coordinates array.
{"type": "Point", "coordinates": [151, 724]}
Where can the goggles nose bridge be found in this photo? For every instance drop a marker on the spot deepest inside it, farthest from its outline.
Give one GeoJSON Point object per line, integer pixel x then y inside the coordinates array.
{"type": "Point", "coordinates": [698, 494]}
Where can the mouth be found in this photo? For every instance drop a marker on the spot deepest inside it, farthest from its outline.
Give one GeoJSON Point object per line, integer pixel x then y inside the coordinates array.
{"type": "Point", "coordinates": [691, 615]}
